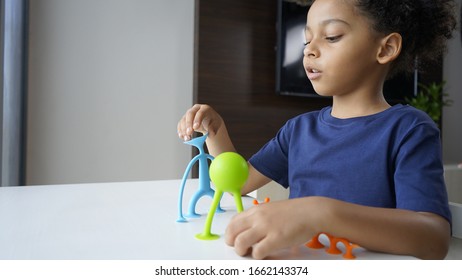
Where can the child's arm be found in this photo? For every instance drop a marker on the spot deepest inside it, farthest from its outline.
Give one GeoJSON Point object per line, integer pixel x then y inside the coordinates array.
{"type": "Point", "coordinates": [264, 229]}
{"type": "Point", "coordinates": [204, 119]}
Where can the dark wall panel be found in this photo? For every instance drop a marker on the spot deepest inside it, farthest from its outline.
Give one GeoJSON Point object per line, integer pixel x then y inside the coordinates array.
{"type": "Point", "coordinates": [235, 70]}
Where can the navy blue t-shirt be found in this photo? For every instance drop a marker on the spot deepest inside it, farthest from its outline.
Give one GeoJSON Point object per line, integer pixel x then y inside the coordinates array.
{"type": "Point", "coordinates": [391, 159]}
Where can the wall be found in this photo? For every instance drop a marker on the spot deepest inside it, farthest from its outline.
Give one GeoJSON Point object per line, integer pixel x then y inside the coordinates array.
{"type": "Point", "coordinates": [452, 116]}
{"type": "Point", "coordinates": [108, 81]}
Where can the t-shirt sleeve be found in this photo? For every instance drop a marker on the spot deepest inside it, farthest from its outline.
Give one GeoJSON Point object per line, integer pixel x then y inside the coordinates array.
{"type": "Point", "coordinates": [419, 173]}
{"type": "Point", "coordinates": [272, 159]}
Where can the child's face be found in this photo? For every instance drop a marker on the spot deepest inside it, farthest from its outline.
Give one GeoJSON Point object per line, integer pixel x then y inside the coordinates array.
{"type": "Point", "coordinates": [340, 55]}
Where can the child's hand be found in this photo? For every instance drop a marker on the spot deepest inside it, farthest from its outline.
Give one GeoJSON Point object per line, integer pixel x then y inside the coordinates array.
{"type": "Point", "coordinates": [268, 227]}
{"type": "Point", "coordinates": [200, 118]}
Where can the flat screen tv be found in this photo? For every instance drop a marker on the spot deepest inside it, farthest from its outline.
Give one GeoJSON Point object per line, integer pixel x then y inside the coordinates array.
{"type": "Point", "coordinates": [290, 74]}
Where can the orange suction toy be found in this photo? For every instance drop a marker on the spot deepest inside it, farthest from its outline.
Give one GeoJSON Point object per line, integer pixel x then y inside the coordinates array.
{"type": "Point", "coordinates": [333, 249]}
{"type": "Point", "coordinates": [255, 202]}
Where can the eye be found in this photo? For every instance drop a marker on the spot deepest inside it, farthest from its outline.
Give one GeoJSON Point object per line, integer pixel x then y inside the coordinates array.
{"type": "Point", "coordinates": [306, 43]}
{"type": "Point", "coordinates": [333, 39]}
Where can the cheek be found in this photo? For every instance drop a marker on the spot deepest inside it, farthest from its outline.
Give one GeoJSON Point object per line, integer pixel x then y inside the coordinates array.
{"type": "Point", "coordinates": [340, 59]}
{"type": "Point", "coordinates": [346, 65]}
{"type": "Point", "coordinates": [305, 63]}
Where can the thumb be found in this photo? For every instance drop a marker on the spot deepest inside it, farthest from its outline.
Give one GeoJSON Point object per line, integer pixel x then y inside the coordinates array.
{"type": "Point", "coordinates": [208, 127]}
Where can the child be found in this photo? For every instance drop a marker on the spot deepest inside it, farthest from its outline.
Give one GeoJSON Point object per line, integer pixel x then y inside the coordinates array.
{"type": "Point", "coordinates": [360, 169]}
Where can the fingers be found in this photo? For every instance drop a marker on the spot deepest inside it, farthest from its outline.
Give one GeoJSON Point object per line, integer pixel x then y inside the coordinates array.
{"type": "Point", "coordinates": [237, 225]}
{"type": "Point", "coordinates": [189, 123]}
{"type": "Point", "coordinates": [266, 228]}
{"type": "Point", "coordinates": [244, 242]}
{"type": "Point", "coordinates": [248, 237]}
{"type": "Point", "coordinates": [241, 235]}
{"type": "Point", "coordinates": [200, 118]}
{"type": "Point", "coordinates": [250, 233]}
{"type": "Point", "coordinates": [265, 247]}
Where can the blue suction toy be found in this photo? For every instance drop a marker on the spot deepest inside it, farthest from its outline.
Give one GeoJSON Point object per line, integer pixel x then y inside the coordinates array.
{"type": "Point", "coordinates": [204, 180]}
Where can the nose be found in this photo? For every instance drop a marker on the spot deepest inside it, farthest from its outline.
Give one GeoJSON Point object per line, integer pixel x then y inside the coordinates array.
{"type": "Point", "coordinates": [311, 50]}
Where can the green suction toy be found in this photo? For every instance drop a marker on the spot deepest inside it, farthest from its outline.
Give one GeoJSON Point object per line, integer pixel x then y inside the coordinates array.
{"type": "Point", "coordinates": [228, 172]}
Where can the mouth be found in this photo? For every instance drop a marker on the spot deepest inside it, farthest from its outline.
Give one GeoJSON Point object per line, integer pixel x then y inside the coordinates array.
{"type": "Point", "coordinates": [312, 70]}
{"type": "Point", "coordinates": [313, 73]}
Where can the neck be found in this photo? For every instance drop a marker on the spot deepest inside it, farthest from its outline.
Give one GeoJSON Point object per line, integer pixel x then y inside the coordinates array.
{"type": "Point", "coordinates": [344, 107]}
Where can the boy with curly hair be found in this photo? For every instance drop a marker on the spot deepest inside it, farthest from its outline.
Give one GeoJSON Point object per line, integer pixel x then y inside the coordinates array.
{"type": "Point", "coordinates": [359, 169]}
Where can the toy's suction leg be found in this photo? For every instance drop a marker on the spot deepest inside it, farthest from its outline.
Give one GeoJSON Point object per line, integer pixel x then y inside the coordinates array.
{"type": "Point", "coordinates": [349, 251]}
{"type": "Point", "coordinates": [207, 234]}
{"type": "Point", "coordinates": [314, 243]}
{"type": "Point", "coordinates": [238, 201]}
{"type": "Point", "coordinates": [181, 218]}
{"type": "Point", "coordinates": [192, 205]}
{"type": "Point", "coordinates": [220, 210]}
{"type": "Point", "coordinates": [211, 193]}
{"type": "Point", "coordinates": [198, 195]}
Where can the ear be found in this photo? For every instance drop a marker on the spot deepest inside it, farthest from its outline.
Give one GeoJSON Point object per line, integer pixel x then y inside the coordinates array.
{"type": "Point", "coordinates": [390, 48]}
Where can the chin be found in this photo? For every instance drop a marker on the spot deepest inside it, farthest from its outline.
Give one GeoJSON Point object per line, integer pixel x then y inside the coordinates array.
{"type": "Point", "coordinates": [324, 94]}
{"type": "Point", "coordinates": [320, 92]}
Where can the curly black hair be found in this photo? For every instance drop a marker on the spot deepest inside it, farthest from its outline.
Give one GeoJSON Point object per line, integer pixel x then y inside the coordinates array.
{"type": "Point", "coordinates": [424, 25]}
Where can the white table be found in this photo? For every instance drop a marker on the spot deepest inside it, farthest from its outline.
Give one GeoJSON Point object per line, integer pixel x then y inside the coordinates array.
{"type": "Point", "coordinates": [120, 221]}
